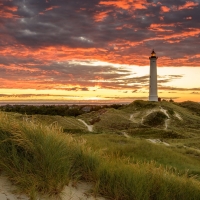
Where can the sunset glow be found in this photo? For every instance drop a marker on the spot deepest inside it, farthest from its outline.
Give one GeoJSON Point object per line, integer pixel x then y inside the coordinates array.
{"type": "Point", "coordinates": [98, 50]}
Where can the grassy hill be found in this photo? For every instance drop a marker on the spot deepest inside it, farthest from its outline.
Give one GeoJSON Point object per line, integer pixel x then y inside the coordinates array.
{"type": "Point", "coordinates": [179, 122]}
{"type": "Point", "coordinates": [144, 150]}
{"type": "Point", "coordinates": [68, 124]}
{"type": "Point", "coordinates": [192, 106]}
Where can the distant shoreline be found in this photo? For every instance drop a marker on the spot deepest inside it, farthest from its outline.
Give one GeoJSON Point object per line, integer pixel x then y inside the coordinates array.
{"type": "Point", "coordinates": [40, 103]}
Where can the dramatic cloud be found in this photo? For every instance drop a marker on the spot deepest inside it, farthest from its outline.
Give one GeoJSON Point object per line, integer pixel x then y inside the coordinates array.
{"type": "Point", "coordinates": [50, 44]}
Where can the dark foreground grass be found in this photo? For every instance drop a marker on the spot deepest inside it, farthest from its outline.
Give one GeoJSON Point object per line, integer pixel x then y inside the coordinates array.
{"type": "Point", "coordinates": [42, 160]}
{"type": "Point", "coordinates": [36, 158]}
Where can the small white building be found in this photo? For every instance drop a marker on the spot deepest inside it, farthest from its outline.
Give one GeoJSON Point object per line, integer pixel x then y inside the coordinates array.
{"type": "Point", "coordinates": [153, 92]}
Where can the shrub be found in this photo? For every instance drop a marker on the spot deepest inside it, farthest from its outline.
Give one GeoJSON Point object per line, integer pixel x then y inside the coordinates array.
{"type": "Point", "coordinates": [144, 104]}
{"type": "Point", "coordinates": [155, 119]}
{"type": "Point", "coordinates": [170, 111]}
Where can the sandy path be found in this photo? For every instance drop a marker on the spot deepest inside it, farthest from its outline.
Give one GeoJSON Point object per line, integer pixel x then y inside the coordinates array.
{"type": "Point", "coordinates": [157, 141]}
{"type": "Point", "coordinates": [178, 116]}
{"type": "Point", "coordinates": [167, 120]}
{"type": "Point", "coordinates": [166, 123]}
{"type": "Point", "coordinates": [89, 127]}
{"type": "Point", "coordinates": [131, 116]}
{"type": "Point", "coordinates": [164, 111]}
{"type": "Point", "coordinates": [125, 135]}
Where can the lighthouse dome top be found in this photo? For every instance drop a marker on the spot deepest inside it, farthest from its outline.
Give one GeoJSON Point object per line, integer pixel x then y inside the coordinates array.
{"type": "Point", "coordinates": [153, 54]}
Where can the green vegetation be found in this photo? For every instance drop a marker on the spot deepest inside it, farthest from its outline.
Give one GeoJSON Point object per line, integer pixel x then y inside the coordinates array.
{"type": "Point", "coordinates": [44, 110]}
{"type": "Point", "coordinates": [143, 104]}
{"type": "Point", "coordinates": [35, 157]}
{"type": "Point", "coordinates": [155, 119]}
{"type": "Point", "coordinates": [68, 124]}
{"type": "Point", "coordinates": [40, 158]}
{"type": "Point", "coordinates": [141, 150]}
{"type": "Point", "coordinates": [192, 106]}
{"type": "Point", "coordinates": [61, 110]}
{"type": "Point", "coordinates": [113, 120]}
{"type": "Point", "coordinates": [154, 133]}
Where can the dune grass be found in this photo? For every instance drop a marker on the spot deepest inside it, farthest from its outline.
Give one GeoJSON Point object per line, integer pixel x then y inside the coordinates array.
{"type": "Point", "coordinates": [113, 120]}
{"type": "Point", "coordinates": [141, 150]}
{"type": "Point", "coordinates": [131, 117]}
{"type": "Point", "coordinates": [143, 182]}
{"type": "Point", "coordinates": [41, 159]}
{"type": "Point", "coordinates": [35, 157]}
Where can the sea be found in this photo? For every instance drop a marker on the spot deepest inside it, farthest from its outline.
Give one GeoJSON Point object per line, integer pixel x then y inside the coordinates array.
{"type": "Point", "coordinates": [40, 103]}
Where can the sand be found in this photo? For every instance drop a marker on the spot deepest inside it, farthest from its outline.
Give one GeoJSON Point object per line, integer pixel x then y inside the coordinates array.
{"type": "Point", "coordinates": [80, 192]}
{"type": "Point", "coordinates": [7, 190]}
{"type": "Point", "coordinates": [89, 127]}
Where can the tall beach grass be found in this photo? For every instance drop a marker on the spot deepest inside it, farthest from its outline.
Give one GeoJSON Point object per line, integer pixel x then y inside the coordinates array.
{"type": "Point", "coordinates": [35, 157]}
{"type": "Point", "coordinates": [41, 159]}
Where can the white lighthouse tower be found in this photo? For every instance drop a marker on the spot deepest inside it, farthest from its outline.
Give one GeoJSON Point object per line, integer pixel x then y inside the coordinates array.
{"type": "Point", "coordinates": [153, 93]}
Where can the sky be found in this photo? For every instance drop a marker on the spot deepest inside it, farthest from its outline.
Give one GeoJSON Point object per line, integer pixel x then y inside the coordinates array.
{"type": "Point", "coordinates": [98, 50]}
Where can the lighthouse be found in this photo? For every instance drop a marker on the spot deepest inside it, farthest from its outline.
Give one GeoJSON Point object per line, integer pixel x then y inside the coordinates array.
{"type": "Point", "coordinates": [153, 93]}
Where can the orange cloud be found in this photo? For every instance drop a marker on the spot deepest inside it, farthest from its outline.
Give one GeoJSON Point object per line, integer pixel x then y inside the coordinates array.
{"type": "Point", "coordinates": [51, 8]}
{"type": "Point", "coordinates": [161, 27]}
{"type": "Point", "coordinates": [190, 32]}
{"type": "Point", "coordinates": [48, 9]}
{"type": "Point", "coordinates": [14, 67]}
{"type": "Point", "coordinates": [7, 12]}
{"type": "Point", "coordinates": [43, 56]}
{"type": "Point", "coordinates": [165, 9]}
{"type": "Point", "coordinates": [100, 16]}
{"type": "Point", "coordinates": [126, 4]}
{"type": "Point", "coordinates": [161, 18]}
{"type": "Point", "coordinates": [188, 5]}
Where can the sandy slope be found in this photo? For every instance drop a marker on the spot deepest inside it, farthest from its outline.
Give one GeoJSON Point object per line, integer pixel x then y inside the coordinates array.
{"type": "Point", "coordinates": [80, 192]}
{"type": "Point", "coordinates": [7, 191]}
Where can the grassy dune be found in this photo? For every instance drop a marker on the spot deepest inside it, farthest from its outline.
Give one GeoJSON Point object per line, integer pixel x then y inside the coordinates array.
{"type": "Point", "coordinates": [141, 150]}
{"type": "Point", "coordinates": [68, 124]}
{"type": "Point", "coordinates": [131, 119]}
{"type": "Point", "coordinates": [41, 159]}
